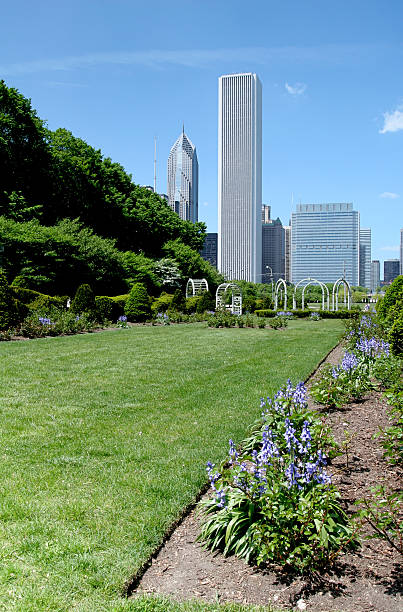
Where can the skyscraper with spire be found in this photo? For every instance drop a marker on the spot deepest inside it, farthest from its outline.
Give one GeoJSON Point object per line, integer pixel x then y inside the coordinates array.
{"type": "Point", "coordinates": [183, 179]}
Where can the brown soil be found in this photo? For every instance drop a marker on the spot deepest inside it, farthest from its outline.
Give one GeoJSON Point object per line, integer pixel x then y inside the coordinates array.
{"type": "Point", "coordinates": [370, 580]}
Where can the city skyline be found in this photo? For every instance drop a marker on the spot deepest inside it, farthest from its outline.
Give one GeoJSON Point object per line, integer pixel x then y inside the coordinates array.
{"type": "Point", "coordinates": [332, 124]}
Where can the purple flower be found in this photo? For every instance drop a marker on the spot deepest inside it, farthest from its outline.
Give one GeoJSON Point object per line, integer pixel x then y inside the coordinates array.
{"type": "Point", "coordinates": [349, 362]}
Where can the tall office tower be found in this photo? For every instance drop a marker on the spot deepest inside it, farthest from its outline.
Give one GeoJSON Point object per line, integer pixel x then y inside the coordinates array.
{"type": "Point", "coordinates": [401, 251]}
{"type": "Point", "coordinates": [325, 241]}
{"type": "Point", "coordinates": [183, 179]}
{"type": "Point", "coordinates": [209, 252]}
{"type": "Point", "coordinates": [391, 268]}
{"type": "Point", "coordinates": [365, 258]}
{"type": "Point", "coordinates": [272, 251]}
{"type": "Point", "coordinates": [375, 275]}
{"type": "Point", "coordinates": [240, 176]}
{"type": "Point", "coordinates": [266, 212]}
{"type": "Point", "coordinates": [287, 253]}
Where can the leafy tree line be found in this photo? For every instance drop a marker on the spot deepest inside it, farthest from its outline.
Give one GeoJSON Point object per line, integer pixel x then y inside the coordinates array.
{"type": "Point", "coordinates": [52, 175]}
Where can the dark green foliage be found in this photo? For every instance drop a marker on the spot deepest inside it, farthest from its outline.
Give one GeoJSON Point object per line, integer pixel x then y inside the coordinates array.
{"type": "Point", "coordinates": [8, 305]}
{"type": "Point", "coordinates": [395, 334]}
{"type": "Point", "coordinates": [84, 300]}
{"type": "Point", "coordinates": [191, 304]}
{"type": "Point", "coordinates": [51, 259]}
{"type": "Point", "coordinates": [162, 303]}
{"type": "Point", "coordinates": [393, 298]}
{"type": "Point", "coordinates": [265, 313]}
{"type": "Point", "coordinates": [137, 307]}
{"type": "Point", "coordinates": [178, 302]}
{"type": "Point", "coordinates": [339, 314]}
{"type": "Point", "coordinates": [191, 264]}
{"type": "Point", "coordinates": [206, 302]}
{"type": "Point", "coordinates": [107, 308]}
{"type": "Point", "coordinates": [43, 303]}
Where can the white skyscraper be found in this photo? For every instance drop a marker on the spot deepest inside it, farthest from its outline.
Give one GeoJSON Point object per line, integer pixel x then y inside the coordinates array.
{"type": "Point", "coordinates": [365, 257]}
{"type": "Point", "coordinates": [183, 179]}
{"type": "Point", "coordinates": [240, 176]}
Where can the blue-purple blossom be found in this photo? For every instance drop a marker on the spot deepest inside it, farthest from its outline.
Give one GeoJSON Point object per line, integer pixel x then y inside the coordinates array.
{"type": "Point", "coordinates": [45, 321]}
{"type": "Point", "coordinates": [122, 318]}
{"type": "Point", "coordinates": [335, 372]}
{"type": "Point", "coordinates": [372, 347]}
{"type": "Point", "coordinates": [349, 362]}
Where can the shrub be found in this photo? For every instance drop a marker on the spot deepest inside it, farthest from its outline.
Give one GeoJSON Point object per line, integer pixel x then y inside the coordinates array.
{"type": "Point", "coordinates": [278, 322]}
{"type": "Point", "coordinates": [162, 303]}
{"type": "Point", "coordinates": [264, 312]}
{"type": "Point", "coordinates": [120, 301]}
{"type": "Point", "coordinates": [205, 302]}
{"type": "Point", "coordinates": [107, 308]}
{"type": "Point", "coordinates": [84, 300]}
{"type": "Point", "coordinates": [395, 334]}
{"type": "Point", "coordinates": [393, 297]}
{"type": "Point", "coordinates": [137, 307]}
{"type": "Point", "coordinates": [191, 304]}
{"type": "Point", "coordinates": [178, 302]}
{"type": "Point", "coordinates": [8, 305]}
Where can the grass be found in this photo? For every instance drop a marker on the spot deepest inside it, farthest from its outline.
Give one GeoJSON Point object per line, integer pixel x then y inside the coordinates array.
{"type": "Point", "coordinates": [104, 442]}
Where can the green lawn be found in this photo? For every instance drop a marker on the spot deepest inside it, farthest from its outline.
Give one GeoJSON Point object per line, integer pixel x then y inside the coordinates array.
{"type": "Point", "coordinates": [104, 439]}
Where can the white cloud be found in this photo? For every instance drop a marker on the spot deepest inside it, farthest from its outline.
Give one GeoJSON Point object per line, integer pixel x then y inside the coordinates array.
{"type": "Point", "coordinates": [297, 89]}
{"type": "Point", "coordinates": [389, 195]}
{"type": "Point", "coordinates": [393, 122]}
{"type": "Point", "coordinates": [390, 248]}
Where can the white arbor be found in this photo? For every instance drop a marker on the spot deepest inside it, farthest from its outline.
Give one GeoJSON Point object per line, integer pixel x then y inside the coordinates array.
{"type": "Point", "coordinates": [236, 297]}
{"type": "Point", "coordinates": [311, 281]}
{"type": "Point", "coordinates": [196, 286]}
{"type": "Point", "coordinates": [335, 294]}
{"type": "Point", "coordinates": [280, 283]}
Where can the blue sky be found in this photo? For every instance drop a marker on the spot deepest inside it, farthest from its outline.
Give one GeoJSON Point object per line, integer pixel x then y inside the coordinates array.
{"type": "Point", "coordinates": [118, 73]}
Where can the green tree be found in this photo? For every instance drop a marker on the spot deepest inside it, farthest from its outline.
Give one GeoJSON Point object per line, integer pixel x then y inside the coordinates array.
{"type": "Point", "coordinates": [178, 301]}
{"type": "Point", "coordinates": [8, 305]}
{"type": "Point", "coordinates": [137, 307]}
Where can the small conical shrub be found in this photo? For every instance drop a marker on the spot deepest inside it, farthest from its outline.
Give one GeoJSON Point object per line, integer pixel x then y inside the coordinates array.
{"type": "Point", "coordinates": [206, 302]}
{"type": "Point", "coordinates": [178, 301]}
{"type": "Point", "coordinates": [84, 300]}
{"type": "Point", "coordinates": [137, 307]}
{"type": "Point", "coordinates": [8, 305]}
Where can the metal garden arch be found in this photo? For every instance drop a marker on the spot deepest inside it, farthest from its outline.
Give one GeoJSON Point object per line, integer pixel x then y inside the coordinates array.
{"type": "Point", "coordinates": [335, 294]}
{"type": "Point", "coordinates": [236, 300]}
{"type": "Point", "coordinates": [280, 283]}
{"type": "Point", "coordinates": [196, 286]}
{"type": "Point", "coordinates": [311, 281]}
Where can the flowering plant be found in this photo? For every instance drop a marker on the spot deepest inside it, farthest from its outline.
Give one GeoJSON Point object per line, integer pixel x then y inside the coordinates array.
{"type": "Point", "coordinates": [314, 316]}
{"type": "Point", "coordinates": [163, 317]}
{"type": "Point", "coordinates": [122, 322]}
{"type": "Point", "coordinates": [276, 503]}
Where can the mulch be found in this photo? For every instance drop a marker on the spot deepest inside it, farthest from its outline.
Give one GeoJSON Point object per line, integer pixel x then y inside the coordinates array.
{"type": "Point", "coordinates": [368, 580]}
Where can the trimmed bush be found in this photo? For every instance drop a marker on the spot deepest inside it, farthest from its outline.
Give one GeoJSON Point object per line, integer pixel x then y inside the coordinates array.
{"type": "Point", "coordinates": [265, 312]}
{"type": "Point", "coordinates": [162, 303]}
{"type": "Point", "coordinates": [339, 314]}
{"type": "Point", "coordinates": [191, 304]}
{"type": "Point", "coordinates": [206, 302]}
{"type": "Point", "coordinates": [84, 300]}
{"type": "Point", "coordinates": [137, 307]}
{"type": "Point", "coordinates": [395, 334]}
{"type": "Point", "coordinates": [107, 308]}
{"type": "Point", "coordinates": [8, 304]}
{"type": "Point", "coordinates": [178, 301]}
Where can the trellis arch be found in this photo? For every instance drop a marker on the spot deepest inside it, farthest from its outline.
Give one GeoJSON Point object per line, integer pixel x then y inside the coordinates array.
{"type": "Point", "coordinates": [280, 283]}
{"type": "Point", "coordinates": [335, 294]}
{"type": "Point", "coordinates": [311, 281]}
{"type": "Point", "coordinates": [236, 300]}
{"type": "Point", "coordinates": [196, 286]}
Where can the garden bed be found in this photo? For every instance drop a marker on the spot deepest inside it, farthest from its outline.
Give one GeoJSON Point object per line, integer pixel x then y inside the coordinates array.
{"type": "Point", "coordinates": [370, 579]}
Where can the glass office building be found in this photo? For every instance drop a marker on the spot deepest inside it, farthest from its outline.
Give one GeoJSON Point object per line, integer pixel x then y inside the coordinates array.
{"type": "Point", "coordinates": [365, 258]}
{"type": "Point", "coordinates": [183, 179]}
{"type": "Point", "coordinates": [325, 242]}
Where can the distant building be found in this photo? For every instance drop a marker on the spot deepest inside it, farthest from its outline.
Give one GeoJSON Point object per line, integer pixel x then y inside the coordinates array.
{"type": "Point", "coordinates": [401, 251]}
{"type": "Point", "coordinates": [365, 258]}
{"type": "Point", "coordinates": [183, 179]}
{"type": "Point", "coordinates": [266, 212]}
{"type": "Point", "coordinates": [273, 260]}
{"type": "Point", "coordinates": [325, 241]}
{"type": "Point", "coordinates": [391, 269]}
{"type": "Point", "coordinates": [287, 253]}
{"type": "Point", "coordinates": [240, 176]}
{"type": "Point", "coordinates": [163, 196]}
{"type": "Point", "coordinates": [375, 275]}
{"type": "Point", "coordinates": [209, 252]}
